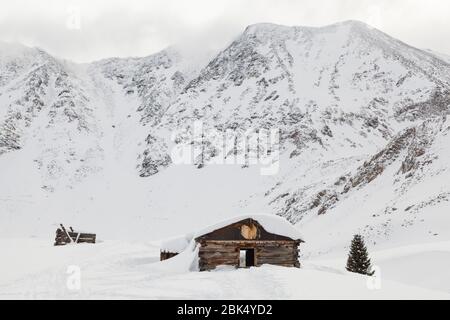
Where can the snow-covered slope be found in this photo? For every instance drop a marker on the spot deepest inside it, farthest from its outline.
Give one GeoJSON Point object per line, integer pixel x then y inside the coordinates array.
{"type": "Point", "coordinates": [361, 119]}
{"type": "Point", "coordinates": [130, 270]}
{"type": "Point", "coordinates": [48, 116]}
{"type": "Point", "coordinates": [440, 55]}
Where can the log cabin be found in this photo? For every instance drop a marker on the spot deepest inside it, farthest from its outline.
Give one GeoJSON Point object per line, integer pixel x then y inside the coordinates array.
{"type": "Point", "coordinates": [241, 242]}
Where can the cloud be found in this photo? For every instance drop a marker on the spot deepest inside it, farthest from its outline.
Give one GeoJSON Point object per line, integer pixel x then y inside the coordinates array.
{"type": "Point", "coordinates": [94, 29]}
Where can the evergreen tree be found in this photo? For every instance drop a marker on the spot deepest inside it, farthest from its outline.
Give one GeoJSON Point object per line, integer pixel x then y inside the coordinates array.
{"type": "Point", "coordinates": [358, 258]}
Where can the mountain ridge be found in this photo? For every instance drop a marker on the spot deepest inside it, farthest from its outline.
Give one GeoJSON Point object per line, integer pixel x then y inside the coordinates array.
{"type": "Point", "coordinates": [353, 106]}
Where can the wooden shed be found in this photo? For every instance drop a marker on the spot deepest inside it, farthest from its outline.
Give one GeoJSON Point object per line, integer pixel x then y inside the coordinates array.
{"type": "Point", "coordinates": [63, 236]}
{"type": "Point", "coordinates": [242, 242]}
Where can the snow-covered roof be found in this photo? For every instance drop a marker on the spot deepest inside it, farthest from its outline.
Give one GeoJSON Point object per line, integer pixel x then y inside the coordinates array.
{"type": "Point", "coordinates": [271, 223]}
{"type": "Point", "coordinates": [176, 244]}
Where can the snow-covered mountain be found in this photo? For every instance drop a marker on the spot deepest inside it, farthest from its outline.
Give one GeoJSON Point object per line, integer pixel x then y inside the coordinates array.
{"type": "Point", "coordinates": [440, 55]}
{"type": "Point", "coordinates": [361, 116]}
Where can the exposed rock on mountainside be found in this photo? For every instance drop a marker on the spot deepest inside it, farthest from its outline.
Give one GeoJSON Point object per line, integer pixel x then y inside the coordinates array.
{"type": "Point", "coordinates": [355, 109]}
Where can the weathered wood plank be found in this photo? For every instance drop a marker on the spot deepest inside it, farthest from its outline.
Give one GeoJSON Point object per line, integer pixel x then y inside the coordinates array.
{"type": "Point", "coordinates": [219, 256]}
{"type": "Point", "coordinates": [277, 251]}
{"type": "Point", "coordinates": [215, 252]}
{"type": "Point", "coordinates": [164, 255]}
{"type": "Point", "coordinates": [64, 237]}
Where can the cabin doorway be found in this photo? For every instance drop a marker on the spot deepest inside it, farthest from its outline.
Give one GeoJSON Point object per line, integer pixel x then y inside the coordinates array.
{"type": "Point", "coordinates": [246, 258]}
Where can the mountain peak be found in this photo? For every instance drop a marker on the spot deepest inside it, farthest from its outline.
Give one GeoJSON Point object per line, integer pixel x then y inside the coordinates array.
{"type": "Point", "coordinates": [276, 31]}
{"type": "Point", "coordinates": [271, 27]}
{"type": "Point", "coordinates": [13, 49]}
{"type": "Point", "coordinates": [265, 27]}
{"type": "Point", "coordinates": [357, 23]}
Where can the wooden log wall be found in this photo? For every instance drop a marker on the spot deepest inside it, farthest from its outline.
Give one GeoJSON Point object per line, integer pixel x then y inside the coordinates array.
{"type": "Point", "coordinates": [83, 237]}
{"type": "Point", "coordinates": [213, 253]}
{"type": "Point", "coordinates": [285, 254]}
{"type": "Point", "coordinates": [62, 237]}
{"type": "Point", "coordinates": [164, 255]}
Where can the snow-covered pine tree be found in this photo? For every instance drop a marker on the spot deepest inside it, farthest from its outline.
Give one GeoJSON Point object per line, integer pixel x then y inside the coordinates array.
{"type": "Point", "coordinates": [358, 258]}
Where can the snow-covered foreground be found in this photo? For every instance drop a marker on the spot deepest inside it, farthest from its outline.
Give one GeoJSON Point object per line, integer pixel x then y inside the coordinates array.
{"type": "Point", "coordinates": [34, 269]}
{"type": "Point", "coordinates": [423, 265]}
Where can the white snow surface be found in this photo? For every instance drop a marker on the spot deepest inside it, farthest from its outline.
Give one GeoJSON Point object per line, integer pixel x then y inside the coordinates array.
{"type": "Point", "coordinates": [175, 244]}
{"type": "Point", "coordinates": [34, 269]}
{"type": "Point", "coordinates": [364, 148]}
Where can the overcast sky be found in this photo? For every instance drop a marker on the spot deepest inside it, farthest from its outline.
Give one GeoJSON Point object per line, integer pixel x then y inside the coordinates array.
{"type": "Point", "coordinates": [86, 30]}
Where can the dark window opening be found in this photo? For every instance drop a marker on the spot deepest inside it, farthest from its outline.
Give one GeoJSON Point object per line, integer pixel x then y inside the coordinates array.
{"type": "Point", "coordinates": [246, 258]}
